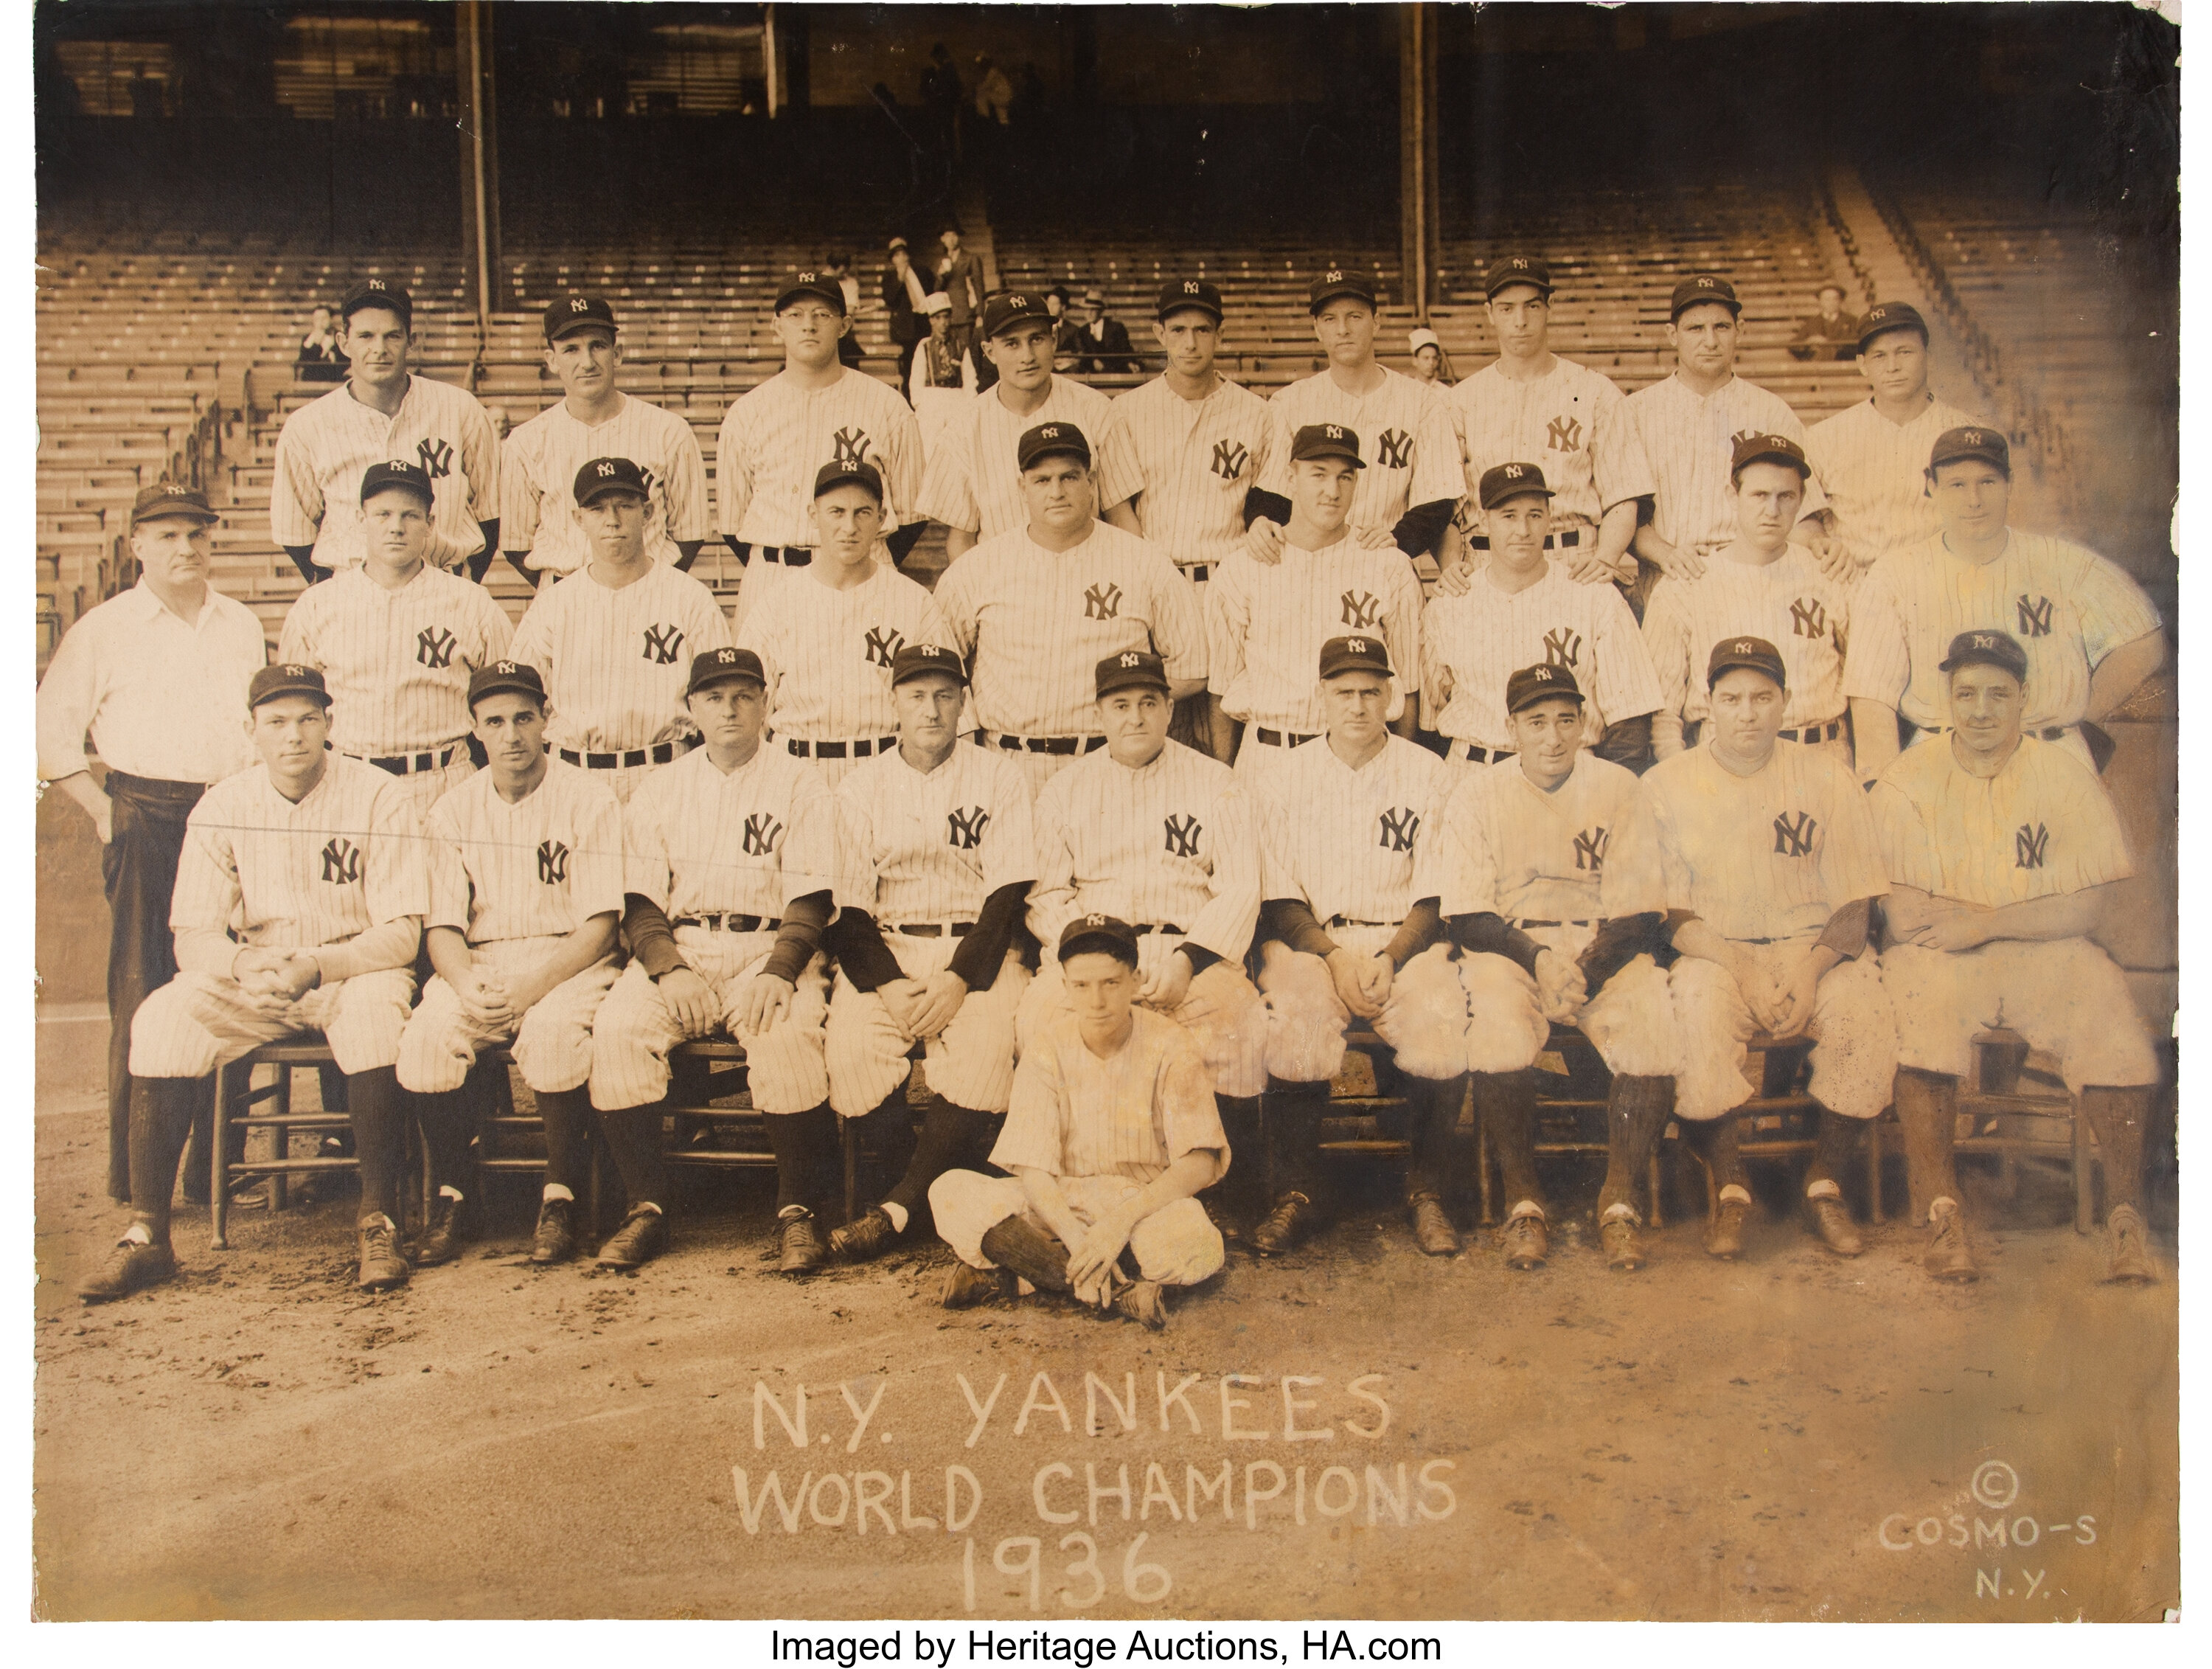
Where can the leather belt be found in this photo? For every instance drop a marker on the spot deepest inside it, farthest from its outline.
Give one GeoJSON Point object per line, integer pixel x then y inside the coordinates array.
{"type": "Point", "coordinates": [1281, 737]}
{"type": "Point", "coordinates": [1197, 571]}
{"type": "Point", "coordinates": [409, 765]}
{"type": "Point", "coordinates": [1476, 754]}
{"type": "Point", "coordinates": [1531, 921]}
{"type": "Point", "coordinates": [1551, 541]}
{"type": "Point", "coordinates": [1814, 733]}
{"type": "Point", "coordinates": [1350, 921]}
{"type": "Point", "coordinates": [716, 922]}
{"type": "Point", "coordinates": [786, 556]}
{"type": "Point", "coordinates": [1037, 744]}
{"type": "Point", "coordinates": [936, 929]}
{"type": "Point", "coordinates": [859, 749]}
{"type": "Point", "coordinates": [1143, 928]}
{"type": "Point", "coordinates": [659, 754]}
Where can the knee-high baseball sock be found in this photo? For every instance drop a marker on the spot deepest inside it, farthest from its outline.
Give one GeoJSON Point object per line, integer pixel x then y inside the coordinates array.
{"type": "Point", "coordinates": [806, 1146]}
{"type": "Point", "coordinates": [161, 1111]}
{"type": "Point", "coordinates": [374, 1103]}
{"type": "Point", "coordinates": [1031, 1252]}
{"type": "Point", "coordinates": [1294, 1115]}
{"type": "Point", "coordinates": [2118, 1116]}
{"type": "Point", "coordinates": [950, 1134]}
{"type": "Point", "coordinates": [1436, 1116]}
{"type": "Point", "coordinates": [1836, 1139]}
{"type": "Point", "coordinates": [1506, 1104]}
{"type": "Point", "coordinates": [1635, 1110]}
{"type": "Point", "coordinates": [886, 1129]}
{"type": "Point", "coordinates": [567, 1115]}
{"type": "Point", "coordinates": [448, 1123]}
{"type": "Point", "coordinates": [633, 1135]}
{"type": "Point", "coordinates": [1718, 1142]}
{"type": "Point", "coordinates": [1928, 1114]}
{"type": "Point", "coordinates": [1240, 1123]}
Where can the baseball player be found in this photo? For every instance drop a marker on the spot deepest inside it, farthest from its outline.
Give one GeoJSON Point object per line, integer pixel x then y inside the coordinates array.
{"type": "Point", "coordinates": [816, 409]}
{"type": "Point", "coordinates": [1523, 608]}
{"type": "Point", "coordinates": [1688, 424]}
{"type": "Point", "coordinates": [974, 482]}
{"type": "Point", "coordinates": [732, 860]}
{"type": "Point", "coordinates": [2091, 634]}
{"type": "Point", "coordinates": [1763, 858]}
{"type": "Point", "coordinates": [1031, 608]}
{"type": "Point", "coordinates": [1872, 458]}
{"type": "Point", "coordinates": [828, 641]}
{"type": "Point", "coordinates": [1351, 926]}
{"type": "Point", "coordinates": [1529, 404]}
{"type": "Point", "coordinates": [382, 411]}
{"type": "Point", "coordinates": [1405, 498]}
{"type": "Point", "coordinates": [299, 907]}
{"type": "Point", "coordinates": [1110, 1135]}
{"type": "Point", "coordinates": [1266, 624]}
{"type": "Point", "coordinates": [1759, 583]}
{"type": "Point", "coordinates": [595, 419]}
{"type": "Point", "coordinates": [1523, 869]}
{"type": "Point", "coordinates": [525, 888]}
{"type": "Point", "coordinates": [2002, 850]}
{"type": "Point", "coordinates": [397, 641]}
{"type": "Point", "coordinates": [614, 639]}
{"type": "Point", "coordinates": [940, 838]}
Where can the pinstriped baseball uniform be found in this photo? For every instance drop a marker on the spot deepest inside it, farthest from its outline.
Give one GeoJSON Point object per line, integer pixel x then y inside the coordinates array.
{"type": "Point", "coordinates": [1571, 421]}
{"type": "Point", "coordinates": [1265, 627]}
{"type": "Point", "coordinates": [1197, 459]}
{"type": "Point", "coordinates": [1483, 636]}
{"type": "Point", "coordinates": [1790, 602]}
{"type": "Point", "coordinates": [975, 477]}
{"type": "Point", "coordinates": [702, 843]}
{"type": "Point", "coordinates": [776, 437]}
{"type": "Point", "coordinates": [1875, 474]}
{"type": "Point", "coordinates": [929, 849]}
{"type": "Point", "coordinates": [327, 446]}
{"type": "Point", "coordinates": [538, 503]}
{"type": "Point", "coordinates": [1407, 440]}
{"type": "Point", "coordinates": [2069, 607]}
{"type": "Point", "coordinates": [1690, 442]}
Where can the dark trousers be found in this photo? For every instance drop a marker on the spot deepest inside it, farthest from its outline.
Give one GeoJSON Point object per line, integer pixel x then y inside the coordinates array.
{"type": "Point", "coordinates": [140, 870]}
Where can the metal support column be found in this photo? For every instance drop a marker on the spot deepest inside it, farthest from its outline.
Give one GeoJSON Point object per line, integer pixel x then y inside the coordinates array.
{"type": "Point", "coordinates": [1417, 232]}
{"type": "Point", "coordinates": [479, 158]}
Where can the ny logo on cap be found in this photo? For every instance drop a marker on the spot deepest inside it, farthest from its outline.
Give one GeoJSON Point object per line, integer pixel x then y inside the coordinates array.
{"type": "Point", "coordinates": [504, 667]}
{"type": "Point", "coordinates": [1982, 642]}
{"type": "Point", "coordinates": [399, 463]}
{"type": "Point", "coordinates": [1704, 284]}
{"type": "Point", "coordinates": [1190, 286]}
{"type": "Point", "coordinates": [1519, 265]}
{"type": "Point", "coordinates": [1050, 431]}
{"type": "Point", "coordinates": [726, 657]}
{"type": "Point", "coordinates": [1355, 645]}
{"type": "Point", "coordinates": [1335, 275]}
{"type": "Point", "coordinates": [374, 284]}
{"type": "Point", "coordinates": [806, 277]}
{"type": "Point", "coordinates": [1332, 431]}
{"type": "Point", "coordinates": [578, 304]}
{"type": "Point", "coordinates": [293, 671]}
{"type": "Point", "coordinates": [1742, 646]}
{"type": "Point", "coordinates": [1129, 660]}
{"type": "Point", "coordinates": [606, 470]}
{"type": "Point", "coordinates": [1017, 300]}
{"type": "Point", "coordinates": [1513, 471]}
{"type": "Point", "coordinates": [1973, 437]}
{"type": "Point", "coordinates": [1541, 674]}
{"type": "Point", "coordinates": [1094, 921]}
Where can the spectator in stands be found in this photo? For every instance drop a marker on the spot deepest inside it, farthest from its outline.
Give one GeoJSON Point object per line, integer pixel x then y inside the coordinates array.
{"type": "Point", "coordinates": [995, 94]}
{"type": "Point", "coordinates": [1831, 333]}
{"type": "Point", "coordinates": [1105, 341]}
{"type": "Point", "coordinates": [960, 275]}
{"type": "Point", "coordinates": [321, 359]}
{"type": "Point", "coordinates": [905, 299]}
{"type": "Point", "coordinates": [501, 422]}
{"type": "Point", "coordinates": [1431, 364]}
{"type": "Point", "coordinates": [1068, 334]}
{"type": "Point", "coordinates": [943, 379]}
{"type": "Point", "coordinates": [840, 267]}
{"type": "Point", "coordinates": [940, 96]}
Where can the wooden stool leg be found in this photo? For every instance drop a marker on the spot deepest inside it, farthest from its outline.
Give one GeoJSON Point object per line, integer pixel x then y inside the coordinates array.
{"type": "Point", "coordinates": [1874, 1170]}
{"type": "Point", "coordinates": [848, 1141]}
{"type": "Point", "coordinates": [218, 1169]}
{"type": "Point", "coordinates": [2085, 1174]}
{"type": "Point", "coordinates": [1658, 1188]}
{"type": "Point", "coordinates": [1266, 1152]}
{"type": "Point", "coordinates": [280, 1181]}
{"type": "Point", "coordinates": [1485, 1191]}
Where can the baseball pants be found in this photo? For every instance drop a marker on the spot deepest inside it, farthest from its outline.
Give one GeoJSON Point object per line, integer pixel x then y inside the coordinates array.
{"type": "Point", "coordinates": [1424, 1021]}
{"type": "Point", "coordinates": [552, 1045]}
{"type": "Point", "coordinates": [636, 1031]}
{"type": "Point", "coordinates": [1629, 1020]}
{"type": "Point", "coordinates": [1177, 1245]}
{"type": "Point", "coordinates": [138, 871]}
{"type": "Point", "coordinates": [624, 779]}
{"type": "Point", "coordinates": [970, 1062]}
{"type": "Point", "coordinates": [424, 788]}
{"type": "Point", "coordinates": [1036, 769]}
{"type": "Point", "coordinates": [1220, 1009]}
{"type": "Point", "coordinates": [197, 1023]}
{"type": "Point", "coordinates": [2065, 996]}
{"type": "Point", "coordinates": [1852, 1067]}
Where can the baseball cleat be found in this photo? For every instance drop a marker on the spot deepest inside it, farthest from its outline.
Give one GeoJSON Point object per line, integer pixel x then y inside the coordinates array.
{"type": "Point", "coordinates": [2130, 1245]}
{"type": "Point", "coordinates": [642, 1237]}
{"type": "Point", "coordinates": [1724, 1233]}
{"type": "Point", "coordinates": [966, 1286]}
{"type": "Point", "coordinates": [1947, 1258]}
{"type": "Point", "coordinates": [1528, 1243]}
{"type": "Point", "coordinates": [554, 1241]}
{"type": "Point", "coordinates": [130, 1267]}
{"type": "Point", "coordinates": [1145, 1302]}
{"type": "Point", "coordinates": [449, 1231]}
{"type": "Point", "coordinates": [1832, 1223]}
{"type": "Point", "coordinates": [381, 1266]}
{"type": "Point", "coordinates": [868, 1235]}
{"type": "Point", "coordinates": [802, 1251]}
{"type": "Point", "coordinates": [1432, 1227]}
{"type": "Point", "coordinates": [1284, 1226]}
{"type": "Point", "coordinates": [1624, 1242]}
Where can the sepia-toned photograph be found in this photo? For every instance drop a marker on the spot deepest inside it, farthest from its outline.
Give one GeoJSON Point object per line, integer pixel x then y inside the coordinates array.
{"type": "Point", "coordinates": [1126, 816]}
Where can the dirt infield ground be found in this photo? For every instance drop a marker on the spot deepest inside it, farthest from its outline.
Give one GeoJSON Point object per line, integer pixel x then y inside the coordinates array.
{"type": "Point", "coordinates": [1789, 1437]}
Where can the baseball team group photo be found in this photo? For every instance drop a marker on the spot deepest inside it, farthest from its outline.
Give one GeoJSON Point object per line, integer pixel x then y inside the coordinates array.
{"type": "Point", "coordinates": [1325, 812]}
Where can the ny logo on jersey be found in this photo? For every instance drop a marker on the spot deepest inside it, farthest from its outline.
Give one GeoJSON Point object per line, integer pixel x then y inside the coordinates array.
{"type": "Point", "coordinates": [1398, 827]}
{"type": "Point", "coordinates": [437, 458]}
{"type": "Point", "coordinates": [1563, 647]}
{"type": "Point", "coordinates": [1229, 460]}
{"type": "Point", "coordinates": [1808, 617]}
{"type": "Point", "coordinates": [1589, 849]}
{"type": "Point", "coordinates": [2035, 616]}
{"type": "Point", "coordinates": [963, 830]}
{"type": "Point", "coordinates": [1793, 836]}
{"type": "Point", "coordinates": [2028, 843]}
{"type": "Point", "coordinates": [662, 644]}
{"type": "Point", "coordinates": [552, 862]}
{"type": "Point", "coordinates": [435, 646]}
{"type": "Point", "coordinates": [883, 642]}
{"type": "Point", "coordinates": [852, 446]}
{"type": "Point", "coordinates": [341, 862]}
{"type": "Point", "coordinates": [1394, 448]}
{"type": "Point", "coordinates": [1564, 435]}
{"type": "Point", "coordinates": [1103, 601]}
{"type": "Point", "coordinates": [1361, 610]}
{"type": "Point", "coordinates": [1183, 834]}
{"type": "Point", "coordinates": [761, 831]}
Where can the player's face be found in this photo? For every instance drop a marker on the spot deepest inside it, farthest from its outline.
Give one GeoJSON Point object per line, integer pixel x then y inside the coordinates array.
{"type": "Point", "coordinates": [174, 550]}
{"type": "Point", "coordinates": [729, 714]}
{"type": "Point", "coordinates": [1703, 338]}
{"type": "Point", "coordinates": [809, 332]}
{"type": "Point", "coordinates": [1358, 705]}
{"type": "Point", "coordinates": [1136, 724]}
{"type": "Point", "coordinates": [848, 521]}
{"type": "Point", "coordinates": [1517, 530]}
{"type": "Point", "coordinates": [1987, 703]}
{"type": "Point", "coordinates": [928, 707]}
{"type": "Point", "coordinates": [1346, 330]}
{"type": "Point", "coordinates": [1522, 318]}
{"type": "Point", "coordinates": [376, 341]}
{"type": "Point", "coordinates": [584, 362]}
{"type": "Point", "coordinates": [288, 734]}
{"type": "Point", "coordinates": [1895, 365]}
{"type": "Point", "coordinates": [1100, 989]}
{"type": "Point", "coordinates": [615, 523]}
{"type": "Point", "coordinates": [1321, 489]}
{"type": "Point", "coordinates": [1971, 498]}
{"type": "Point", "coordinates": [1191, 338]}
{"type": "Point", "coordinates": [1547, 734]}
{"type": "Point", "coordinates": [398, 526]}
{"type": "Point", "coordinates": [1746, 712]}
{"type": "Point", "coordinates": [1059, 492]}
{"type": "Point", "coordinates": [1767, 497]}
{"type": "Point", "coordinates": [512, 727]}
{"type": "Point", "coordinates": [1023, 353]}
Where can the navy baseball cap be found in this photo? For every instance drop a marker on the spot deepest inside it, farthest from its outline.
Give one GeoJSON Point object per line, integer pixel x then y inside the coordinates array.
{"type": "Point", "coordinates": [913, 660]}
{"type": "Point", "coordinates": [506, 678]}
{"type": "Point", "coordinates": [1355, 655]}
{"type": "Point", "coordinates": [1885, 316]}
{"type": "Point", "coordinates": [1339, 281]}
{"type": "Point", "coordinates": [1503, 481]}
{"type": "Point", "coordinates": [1744, 655]}
{"type": "Point", "coordinates": [1954, 445]}
{"type": "Point", "coordinates": [1132, 669]}
{"type": "Point", "coordinates": [1534, 684]}
{"type": "Point", "coordinates": [811, 285]}
{"type": "Point", "coordinates": [849, 472]}
{"type": "Point", "coordinates": [168, 498]}
{"type": "Point", "coordinates": [1016, 307]}
{"type": "Point", "coordinates": [1183, 293]}
{"type": "Point", "coordinates": [1768, 449]}
{"type": "Point", "coordinates": [1049, 439]}
{"type": "Point", "coordinates": [573, 313]}
{"type": "Point", "coordinates": [1509, 270]}
{"type": "Point", "coordinates": [1107, 934]}
{"type": "Point", "coordinates": [605, 475]}
{"type": "Point", "coordinates": [1986, 649]}
{"type": "Point", "coordinates": [1326, 440]}
{"type": "Point", "coordinates": [286, 678]}
{"type": "Point", "coordinates": [377, 293]}
{"type": "Point", "coordinates": [398, 473]}
{"type": "Point", "coordinates": [719, 666]}
{"type": "Point", "coordinates": [1695, 292]}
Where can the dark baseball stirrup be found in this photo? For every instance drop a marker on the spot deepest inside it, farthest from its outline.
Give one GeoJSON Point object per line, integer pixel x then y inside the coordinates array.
{"type": "Point", "coordinates": [659, 755]}
{"type": "Point", "coordinates": [935, 930]}
{"type": "Point", "coordinates": [1281, 737]}
{"type": "Point", "coordinates": [715, 922]}
{"type": "Point", "coordinates": [859, 749]}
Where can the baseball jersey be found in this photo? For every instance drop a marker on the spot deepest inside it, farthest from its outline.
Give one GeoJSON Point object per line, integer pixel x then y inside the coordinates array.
{"type": "Point", "coordinates": [775, 438]}
{"type": "Point", "coordinates": [932, 846]}
{"type": "Point", "coordinates": [1788, 601]}
{"type": "Point", "coordinates": [828, 653]}
{"type": "Point", "coordinates": [538, 503]}
{"type": "Point", "coordinates": [2069, 607]}
{"type": "Point", "coordinates": [1034, 623]}
{"type": "Point", "coordinates": [346, 858]}
{"type": "Point", "coordinates": [1354, 843]}
{"type": "Point", "coordinates": [1265, 627]}
{"type": "Point", "coordinates": [538, 868]}
{"type": "Point", "coordinates": [1407, 441]}
{"type": "Point", "coordinates": [1483, 636]}
{"type": "Point", "coordinates": [697, 842]}
{"type": "Point", "coordinates": [975, 477]}
{"type": "Point", "coordinates": [1171, 843]}
{"type": "Point", "coordinates": [1131, 1115]}
{"type": "Point", "coordinates": [1196, 460]}
{"type": "Point", "coordinates": [1875, 474]}
{"type": "Point", "coordinates": [1767, 856]}
{"type": "Point", "coordinates": [1689, 441]}
{"type": "Point", "coordinates": [1531, 854]}
{"type": "Point", "coordinates": [615, 662]}
{"type": "Point", "coordinates": [2042, 826]}
{"type": "Point", "coordinates": [326, 447]}
{"type": "Point", "coordinates": [397, 662]}
{"type": "Point", "coordinates": [1570, 422]}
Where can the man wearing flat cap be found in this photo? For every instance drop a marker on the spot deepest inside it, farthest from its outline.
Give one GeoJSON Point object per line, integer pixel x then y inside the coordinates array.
{"type": "Point", "coordinates": [1105, 340]}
